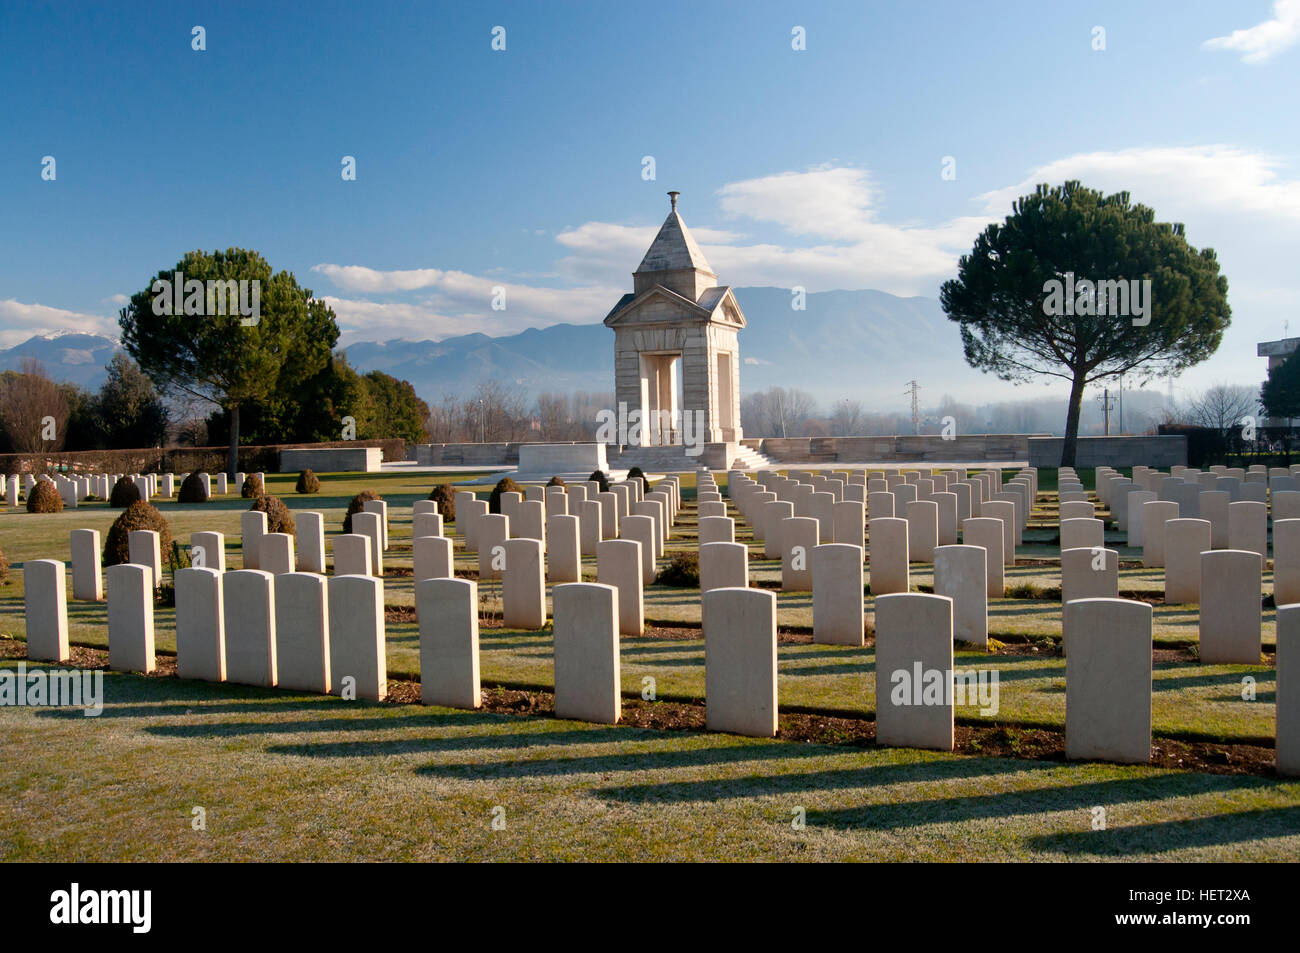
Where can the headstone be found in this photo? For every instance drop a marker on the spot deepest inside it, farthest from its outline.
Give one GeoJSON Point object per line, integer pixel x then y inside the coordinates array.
{"type": "Point", "coordinates": [618, 564]}
{"type": "Point", "coordinates": [947, 517]}
{"type": "Point", "coordinates": [914, 662]}
{"type": "Point", "coordinates": [922, 530]}
{"type": "Point", "coordinates": [1231, 623]}
{"type": "Point", "coordinates": [370, 524]}
{"type": "Point", "coordinates": [275, 553]}
{"type": "Point", "coordinates": [1108, 680]}
{"type": "Point", "coordinates": [1089, 573]}
{"type": "Point", "coordinates": [252, 527]}
{"type": "Point", "coordinates": [1079, 533]}
{"type": "Point", "coordinates": [961, 574]}
{"type": "Point", "coordinates": [249, 599]}
{"type": "Point", "coordinates": [143, 549]}
{"type": "Point", "coordinates": [449, 661]}
{"type": "Point", "coordinates": [492, 531]}
{"type": "Point", "coordinates": [740, 662]}
{"type": "Point", "coordinates": [987, 534]}
{"type": "Point", "coordinates": [724, 565]}
{"type": "Point", "coordinates": [563, 550]}
{"type": "Point", "coordinates": [707, 510]}
{"type": "Point", "coordinates": [310, 530]}
{"type": "Point", "coordinates": [200, 624]}
{"type": "Point", "coordinates": [587, 679]}
{"type": "Point", "coordinates": [716, 529]}
{"type": "Point", "coordinates": [838, 613]}
{"type": "Point", "coordinates": [130, 618]}
{"type": "Point", "coordinates": [888, 556]}
{"type": "Point", "coordinates": [1286, 562]}
{"type": "Point", "coordinates": [87, 582]}
{"type": "Point", "coordinates": [589, 516]}
{"type": "Point", "coordinates": [358, 656]}
{"type": "Point", "coordinates": [850, 524]}
{"type": "Point", "coordinates": [771, 516]}
{"type": "Point", "coordinates": [426, 524]}
{"type": "Point", "coordinates": [1185, 540]}
{"type": "Point", "coordinates": [608, 515]}
{"type": "Point", "coordinates": [880, 504]}
{"type": "Point", "coordinates": [351, 555]}
{"type": "Point", "coordinates": [1154, 517]}
{"type": "Point", "coordinates": [798, 537]}
{"type": "Point", "coordinates": [1136, 500]}
{"type": "Point", "coordinates": [1213, 506]}
{"type": "Point", "coordinates": [523, 585]}
{"type": "Point", "coordinates": [530, 517]}
{"type": "Point", "coordinates": [46, 606]}
{"type": "Point", "coordinates": [302, 632]}
{"type": "Point", "coordinates": [432, 558]}
{"type": "Point", "coordinates": [999, 509]}
{"type": "Point", "coordinates": [1248, 527]}
{"type": "Point", "coordinates": [1287, 743]}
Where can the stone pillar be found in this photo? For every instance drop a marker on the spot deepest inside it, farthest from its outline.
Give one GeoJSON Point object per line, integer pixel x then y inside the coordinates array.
{"type": "Point", "coordinates": [563, 551]}
{"type": "Point", "coordinates": [310, 531]}
{"type": "Point", "coordinates": [1230, 617]}
{"type": "Point", "coordinates": [351, 555]}
{"type": "Point", "coordinates": [888, 557]}
{"type": "Point", "coordinates": [961, 574]}
{"type": "Point", "coordinates": [46, 606]}
{"type": "Point", "coordinates": [618, 564]}
{"type": "Point", "coordinates": [1185, 540]}
{"type": "Point", "coordinates": [449, 661]}
{"type": "Point", "coordinates": [798, 537]}
{"type": "Point", "coordinates": [724, 565]}
{"type": "Point", "coordinates": [200, 624]}
{"type": "Point", "coordinates": [1108, 680]}
{"type": "Point", "coordinates": [431, 558]}
{"type": "Point", "coordinates": [87, 582]}
{"type": "Point", "coordinates": [914, 661]}
{"type": "Point", "coordinates": [587, 679]}
{"type": "Point", "coordinates": [302, 632]}
{"type": "Point", "coordinates": [249, 599]}
{"type": "Point", "coordinates": [838, 614]}
{"type": "Point", "coordinates": [357, 650]}
{"type": "Point", "coordinates": [740, 662]}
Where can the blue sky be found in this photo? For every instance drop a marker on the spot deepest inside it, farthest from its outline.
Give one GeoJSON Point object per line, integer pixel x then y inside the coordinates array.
{"type": "Point", "coordinates": [523, 168]}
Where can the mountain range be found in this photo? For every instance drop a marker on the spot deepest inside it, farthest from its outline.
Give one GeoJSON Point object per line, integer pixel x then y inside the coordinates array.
{"type": "Point", "coordinates": [858, 344]}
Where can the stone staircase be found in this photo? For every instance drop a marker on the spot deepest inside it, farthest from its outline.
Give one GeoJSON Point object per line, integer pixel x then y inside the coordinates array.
{"type": "Point", "coordinates": [749, 459]}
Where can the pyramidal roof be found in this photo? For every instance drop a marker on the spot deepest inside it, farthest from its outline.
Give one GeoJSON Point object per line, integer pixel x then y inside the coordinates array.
{"type": "Point", "coordinates": [674, 247]}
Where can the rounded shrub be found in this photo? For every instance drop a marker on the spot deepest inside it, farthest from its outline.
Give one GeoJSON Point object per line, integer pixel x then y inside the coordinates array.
{"type": "Point", "coordinates": [636, 474]}
{"type": "Point", "coordinates": [125, 492]}
{"type": "Point", "coordinates": [308, 482]}
{"type": "Point", "coordinates": [445, 497]}
{"type": "Point", "coordinates": [139, 515]}
{"type": "Point", "coordinates": [555, 481]}
{"type": "Point", "coordinates": [193, 490]}
{"type": "Point", "coordinates": [278, 517]}
{"type": "Point", "coordinates": [44, 498]}
{"type": "Point", "coordinates": [252, 487]}
{"type": "Point", "coordinates": [600, 477]}
{"type": "Point", "coordinates": [683, 571]}
{"type": "Point", "coordinates": [356, 505]}
{"type": "Point", "coordinates": [504, 485]}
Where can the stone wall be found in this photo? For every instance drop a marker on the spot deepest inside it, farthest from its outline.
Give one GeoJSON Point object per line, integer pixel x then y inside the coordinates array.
{"type": "Point", "coordinates": [1168, 451]}
{"type": "Point", "coordinates": [897, 449]}
{"type": "Point", "coordinates": [332, 460]}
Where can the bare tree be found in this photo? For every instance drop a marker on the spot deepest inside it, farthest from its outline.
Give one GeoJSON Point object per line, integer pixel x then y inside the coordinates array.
{"type": "Point", "coordinates": [33, 409]}
{"type": "Point", "coordinates": [846, 421]}
{"type": "Point", "coordinates": [1223, 406]}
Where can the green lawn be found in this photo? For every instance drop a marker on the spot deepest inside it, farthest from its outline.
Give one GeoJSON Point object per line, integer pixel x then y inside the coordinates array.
{"type": "Point", "coordinates": [299, 777]}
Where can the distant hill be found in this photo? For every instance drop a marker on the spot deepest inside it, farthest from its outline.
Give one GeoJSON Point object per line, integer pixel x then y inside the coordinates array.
{"type": "Point", "coordinates": [861, 344]}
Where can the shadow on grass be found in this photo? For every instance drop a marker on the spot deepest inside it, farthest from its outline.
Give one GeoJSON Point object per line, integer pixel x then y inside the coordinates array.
{"type": "Point", "coordinates": [1215, 831]}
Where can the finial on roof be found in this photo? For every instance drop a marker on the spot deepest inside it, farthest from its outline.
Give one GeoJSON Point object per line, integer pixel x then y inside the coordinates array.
{"type": "Point", "coordinates": [673, 196]}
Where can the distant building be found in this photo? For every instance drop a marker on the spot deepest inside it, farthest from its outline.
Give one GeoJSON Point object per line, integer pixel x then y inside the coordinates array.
{"type": "Point", "coordinates": [1277, 352]}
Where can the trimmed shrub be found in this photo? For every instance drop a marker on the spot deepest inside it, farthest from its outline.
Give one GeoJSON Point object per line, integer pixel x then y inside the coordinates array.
{"type": "Point", "coordinates": [600, 477]}
{"type": "Point", "coordinates": [504, 485]}
{"type": "Point", "coordinates": [125, 492]}
{"type": "Point", "coordinates": [636, 474]}
{"type": "Point", "coordinates": [555, 481]}
{"type": "Point", "coordinates": [44, 498]}
{"type": "Point", "coordinates": [683, 571]}
{"type": "Point", "coordinates": [252, 487]}
{"type": "Point", "coordinates": [139, 515]}
{"type": "Point", "coordinates": [278, 517]}
{"type": "Point", "coordinates": [356, 505]}
{"type": "Point", "coordinates": [192, 489]}
{"type": "Point", "coordinates": [445, 497]}
{"type": "Point", "coordinates": [308, 482]}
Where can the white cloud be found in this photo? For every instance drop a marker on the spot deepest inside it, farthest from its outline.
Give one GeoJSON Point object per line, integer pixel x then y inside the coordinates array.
{"type": "Point", "coordinates": [19, 321]}
{"type": "Point", "coordinates": [117, 299]}
{"type": "Point", "coordinates": [1262, 42]}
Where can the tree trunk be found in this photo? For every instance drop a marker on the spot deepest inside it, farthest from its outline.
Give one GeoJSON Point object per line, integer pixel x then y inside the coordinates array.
{"type": "Point", "coordinates": [1072, 420]}
{"type": "Point", "coordinates": [232, 461]}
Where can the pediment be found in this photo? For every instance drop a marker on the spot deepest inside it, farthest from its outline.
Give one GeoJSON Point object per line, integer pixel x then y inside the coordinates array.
{"type": "Point", "coordinates": [657, 305]}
